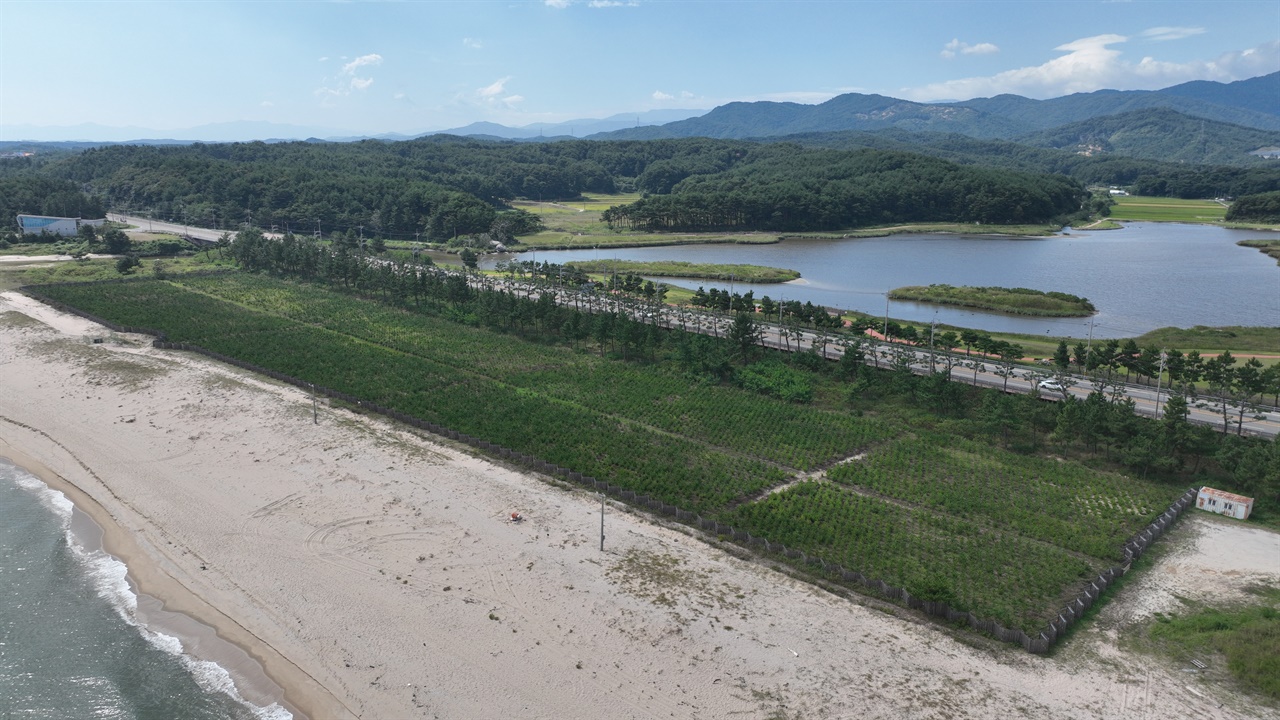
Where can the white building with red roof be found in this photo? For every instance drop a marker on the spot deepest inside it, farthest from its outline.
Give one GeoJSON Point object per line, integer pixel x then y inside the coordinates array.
{"type": "Point", "coordinates": [1224, 503]}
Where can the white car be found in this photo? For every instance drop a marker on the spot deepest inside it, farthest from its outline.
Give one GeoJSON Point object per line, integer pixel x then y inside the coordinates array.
{"type": "Point", "coordinates": [1052, 386]}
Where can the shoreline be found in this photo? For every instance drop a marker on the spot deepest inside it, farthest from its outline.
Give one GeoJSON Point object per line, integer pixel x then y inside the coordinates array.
{"type": "Point", "coordinates": [167, 607]}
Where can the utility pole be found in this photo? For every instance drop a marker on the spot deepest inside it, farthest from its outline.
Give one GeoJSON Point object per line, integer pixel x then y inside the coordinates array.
{"type": "Point", "coordinates": [886, 317]}
{"type": "Point", "coordinates": [1159, 378]}
{"type": "Point", "coordinates": [601, 522]}
{"type": "Point", "coordinates": [932, 367]}
{"type": "Point", "coordinates": [315, 419]}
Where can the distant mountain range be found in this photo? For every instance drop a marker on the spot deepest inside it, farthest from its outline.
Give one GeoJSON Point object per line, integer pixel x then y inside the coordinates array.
{"type": "Point", "coordinates": [1195, 122]}
{"type": "Point", "coordinates": [95, 134]}
{"type": "Point", "coordinates": [1253, 103]}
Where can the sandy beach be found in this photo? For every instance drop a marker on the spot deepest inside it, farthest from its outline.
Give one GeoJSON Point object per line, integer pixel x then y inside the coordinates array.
{"type": "Point", "coordinates": [354, 568]}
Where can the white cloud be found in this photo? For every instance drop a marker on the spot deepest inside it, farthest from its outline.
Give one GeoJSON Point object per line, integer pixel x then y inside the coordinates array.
{"type": "Point", "coordinates": [951, 49]}
{"type": "Point", "coordinates": [347, 80]}
{"type": "Point", "coordinates": [494, 90]}
{"type": "Point", "coordinates": [513, 100]}
{"type": "Point", "coordinates": [397, 96]}
{"type": "Point", "coordinates": [612, 3]}
{"type": "Point", "coordinates": [370, 59]}
{"type": "Point", "coordinates": [558, 3]}
{"type": "Point", "coordinates": [267, 103]}
{"type": "Point", "coordinates": [686, 95]}
{"type": "Point", "coordinates": [1092, 64]}
{"type": "Point", "coordinates": [323, 59]}
{"type": "Point", "coordinates": [472, 43]}
{"type": "Point", "coordinates": [661, 96]}
{"type": "Point", "coordinates": [1171, 33]}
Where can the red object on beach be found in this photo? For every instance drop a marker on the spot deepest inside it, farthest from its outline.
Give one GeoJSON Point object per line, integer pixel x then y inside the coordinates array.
{"type": "Point", "coordinates": [515, 517]}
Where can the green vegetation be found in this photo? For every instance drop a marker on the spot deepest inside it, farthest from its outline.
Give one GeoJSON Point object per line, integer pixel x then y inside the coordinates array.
{"type": "Point", "coordinates": [1165, 209]}
{"type": "Point", "coordinates": [939, 228]}
{"type": "Point", "coordinates": [441, 187]}
{"type": "Point", "coordinates": [1158, 134]}
{"type": "Point", "coordinates": [560, 240]}
{"type": "Point", "coordinates": [1270, 248]}
{"type": "Point", "coordinates": [29, 194]}
{"type": "Point", "coordinates": [1142, 177]}
{"type": "Point", "coordinates": [1235, 338]}
{"type": "Point", "coordinates": [1018, 301]}
{"type": "Point", "coordinates": [675, 268]}
{"type": "Point", "coordinates": [1247, 638]}
{"type": "Point", "coordinates": [1260, 208]}
{"type": "Point", "coordinates": [833, 190]}
{"type": "Point", "coordinates": [672, 422]}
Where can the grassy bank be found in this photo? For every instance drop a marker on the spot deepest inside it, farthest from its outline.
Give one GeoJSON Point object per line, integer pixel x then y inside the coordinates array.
{"type": "Point", "coordinates": [1017, 301]}
{"type": "Point", "coordinates": [1271, 248]}
{"type": "Point", "coordinates": [939, 228]}
{"type": "Point", "coordinates": [674, 268]}
{"type": "Point", "coordinates": [1235, 338]}
{"type": "Point", "coordinates": [561, 240]}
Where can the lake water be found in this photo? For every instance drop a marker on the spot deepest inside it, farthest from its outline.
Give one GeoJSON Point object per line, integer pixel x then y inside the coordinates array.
{"type": "Point", "coordinates": [1144, 276]}
{"type": "Point", "coordinates": [69, 644]}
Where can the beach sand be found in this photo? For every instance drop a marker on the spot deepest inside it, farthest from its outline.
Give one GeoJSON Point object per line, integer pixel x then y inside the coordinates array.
{"type": "Point", "coordinates": [368, 570]}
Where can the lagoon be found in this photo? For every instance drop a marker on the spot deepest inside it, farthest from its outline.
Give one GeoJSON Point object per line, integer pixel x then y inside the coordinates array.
{"type": "Point", "coordinates": [1141, 277]}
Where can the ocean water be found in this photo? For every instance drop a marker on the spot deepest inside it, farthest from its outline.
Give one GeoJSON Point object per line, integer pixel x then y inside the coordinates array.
{"type": "Point", "coordinates": [69, 646]}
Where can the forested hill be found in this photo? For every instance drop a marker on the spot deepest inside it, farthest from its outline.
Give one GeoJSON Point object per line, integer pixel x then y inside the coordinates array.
{"type": "Point", "coordinates": [1143, 177]}
{"type": "Point", "coordinates": [1159, 134]}
{"type": "Point", "coordinates": [444, 185]}
{"type": "Point", "coordinates": [830, 190]}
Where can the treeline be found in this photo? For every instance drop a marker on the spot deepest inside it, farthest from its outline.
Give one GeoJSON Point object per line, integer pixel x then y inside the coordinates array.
{"type": "Point", "coordinates": [1263, 208]}
{"type": "Point", "coordinates": [35, 195]}
{"type": "Point", "coordinates": [832, 190]}
{"type": "Point", "coordinates": [442, 186]}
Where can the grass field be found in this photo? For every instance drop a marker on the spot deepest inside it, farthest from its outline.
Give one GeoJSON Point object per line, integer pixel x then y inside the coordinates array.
{"type": "Point", "coordinates": [982, 528]}
{"type": "Point", "coordinates": [1134, 207]}
{"type": "Point", "coordinates": [1261, 340]}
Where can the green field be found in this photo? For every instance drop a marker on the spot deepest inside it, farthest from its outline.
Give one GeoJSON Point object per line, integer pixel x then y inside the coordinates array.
{"type": "Point", "coordinates": [1004, 536]}
{"type": "Point", "coordinates": [1133, 207]}
{"type": "Point", "coordinates": [680, 269]}
{"type": "Point", "coordinates": [1018, 301]}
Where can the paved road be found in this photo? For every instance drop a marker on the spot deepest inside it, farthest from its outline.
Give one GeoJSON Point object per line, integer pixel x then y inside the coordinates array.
{"type": "Point", "coordinates": [160, 226]}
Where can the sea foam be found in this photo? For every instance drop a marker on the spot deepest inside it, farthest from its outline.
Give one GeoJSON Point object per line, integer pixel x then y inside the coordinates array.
{"type": "Point", "coordinates": [109, 577]}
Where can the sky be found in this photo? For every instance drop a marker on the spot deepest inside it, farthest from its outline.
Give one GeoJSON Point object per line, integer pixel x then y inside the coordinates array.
{"type": "Point", "coordinates": [418, 65]}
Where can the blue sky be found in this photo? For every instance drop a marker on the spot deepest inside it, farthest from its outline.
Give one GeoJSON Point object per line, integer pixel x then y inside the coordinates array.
{"type": "Point", "coordinates": [373, 67]}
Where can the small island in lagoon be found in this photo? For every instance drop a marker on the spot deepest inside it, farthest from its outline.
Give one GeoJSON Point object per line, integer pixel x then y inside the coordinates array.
{"type": "Point", "coordinates": [1017, 301]}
